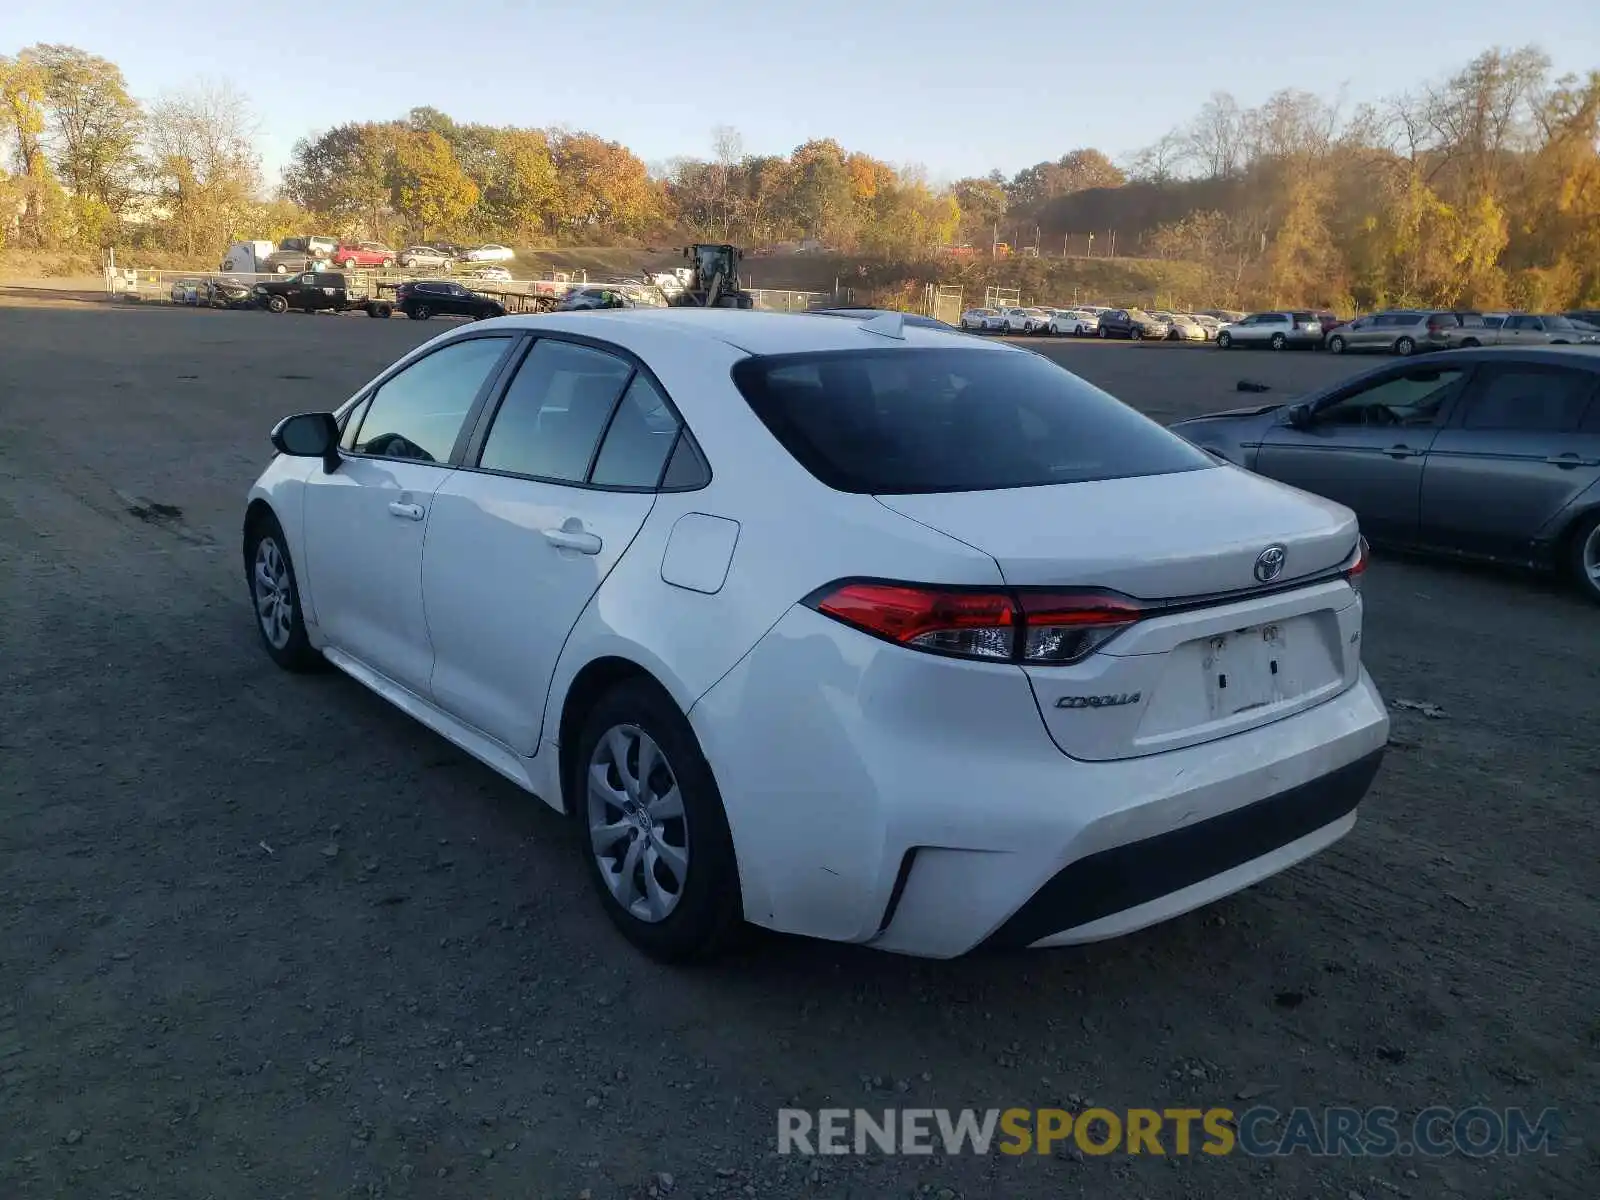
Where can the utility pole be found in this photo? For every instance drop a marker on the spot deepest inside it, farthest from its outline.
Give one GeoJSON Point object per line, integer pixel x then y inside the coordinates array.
{"type": "Point", "coordinates": [1113, 243]}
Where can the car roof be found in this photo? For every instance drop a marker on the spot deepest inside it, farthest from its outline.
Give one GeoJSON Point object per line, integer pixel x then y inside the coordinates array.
{"type": "Point", "coordinates": [1587, 357]}
{"type": "Point", "coordinates": [753, 332]}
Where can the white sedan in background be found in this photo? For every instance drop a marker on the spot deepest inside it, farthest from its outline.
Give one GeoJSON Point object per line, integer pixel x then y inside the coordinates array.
{"type": "Point", "coordinates": [983, 320]}
{"type": "Point", "coordinates": [851, 629]}
{"type": "Point", "coordinates": [489, 253]}
{"type": "Point", "coordinates": [492, 274]}
{"type": "Point", "coordinates": [1186, 328]}
{"type": "Point", "coordinates": [1072, 322]}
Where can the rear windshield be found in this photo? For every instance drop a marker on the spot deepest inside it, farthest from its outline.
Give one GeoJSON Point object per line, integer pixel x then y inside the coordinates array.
{"type": "Point", "coordinates": [907, 421]}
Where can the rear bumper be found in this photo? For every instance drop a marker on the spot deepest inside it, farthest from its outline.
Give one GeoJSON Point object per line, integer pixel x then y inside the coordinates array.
{"type": "Point", "coordinates": [1139, 883]}
{"type": "Point", "coordinates": [918, 804]}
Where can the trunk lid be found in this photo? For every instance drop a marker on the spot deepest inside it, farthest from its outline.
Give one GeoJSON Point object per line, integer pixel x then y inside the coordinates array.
{"type": "Point", "coordinates": [1161, 537]}
{"type": "Point", "coordinates": [1221, 651]}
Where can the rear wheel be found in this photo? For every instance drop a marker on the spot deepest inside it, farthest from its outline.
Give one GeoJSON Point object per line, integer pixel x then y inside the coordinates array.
{"type": "Point", "coordinates": [1224, 340]}
{"type": "Point", "coordinates": [349, 264]}
{"type": "Point", "coordinates": [419, 312]}
{"type": "Point", "coordinates": [654, 831]}
{"type": "Point", "coordinates": [1584, 557]}
{"type": "Point", "coordinates": [1405, 347]}
{"type": "Point", "coordinates": [1279, 341]}
{"type": "Point", "coordinates": [1336, 345]}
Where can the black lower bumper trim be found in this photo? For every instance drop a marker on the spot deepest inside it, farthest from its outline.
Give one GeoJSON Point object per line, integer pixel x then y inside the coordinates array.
{"type": "Point", "coordinates": [1124, 877]}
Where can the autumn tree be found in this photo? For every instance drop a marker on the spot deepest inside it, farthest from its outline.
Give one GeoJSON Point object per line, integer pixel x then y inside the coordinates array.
{"type": "Point", "coordinates": [93, 131]}
{"type": "Point", "coordinates": [204, 164]}
{"type": "Point", "coordinates": [22, 122]}
{"type": "Point", "coordinates": [428, 188]}
{"type": "Point", "coordinates": [345, 175]}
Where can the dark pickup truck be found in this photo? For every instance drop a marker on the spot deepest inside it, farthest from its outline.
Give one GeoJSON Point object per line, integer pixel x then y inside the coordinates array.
{"type": "Point", "coordinates": [318, 291]}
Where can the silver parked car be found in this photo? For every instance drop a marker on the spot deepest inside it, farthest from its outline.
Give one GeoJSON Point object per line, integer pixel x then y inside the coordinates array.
{"type": "Point", "coordinates": [1277, 330]}
{"type": "Point", "coordinates": [1487, 453]}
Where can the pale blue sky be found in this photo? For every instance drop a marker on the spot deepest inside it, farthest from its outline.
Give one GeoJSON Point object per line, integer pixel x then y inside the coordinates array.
{"type": "Point", "coordinates": [957, 87]}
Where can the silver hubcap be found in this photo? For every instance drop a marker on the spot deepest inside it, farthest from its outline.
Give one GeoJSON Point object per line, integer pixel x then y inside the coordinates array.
{"type": "Point", "coordinates": [1591, 557]}
{"type": "Point", "coordinates": [274, 593]}
{"type": "Point", "coordinates": [637, 828]}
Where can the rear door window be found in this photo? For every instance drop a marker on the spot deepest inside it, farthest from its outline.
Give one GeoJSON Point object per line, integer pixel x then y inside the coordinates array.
{"type": "Point", "coordinates": [914, 420]}
{"type": "Point", "coordinates": [1529, 399]}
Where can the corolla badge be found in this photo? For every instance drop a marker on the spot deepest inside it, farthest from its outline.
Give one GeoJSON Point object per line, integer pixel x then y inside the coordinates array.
{"type": "Point", "coordinates": [1269, 563]}
{"type": "Point", "coordinates": [1112, 701]}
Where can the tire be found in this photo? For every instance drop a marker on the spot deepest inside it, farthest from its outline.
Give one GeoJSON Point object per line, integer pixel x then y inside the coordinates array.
{"type": "Point", "coordinates": [1134, 335]}
{"type": "Point", "coordinates": [1279, 342]}
{"type": "Point", "coordinates": [277, 304]}
{"type": "Point", "coordinates": [349, 264]}
{"type": "Point", "coordinates": [1405, 347]}
{"type": "Point", "coordinates": [1336, 345]}
{"type": "Point", "coordinates": [1471, 344]}
{"type": "Point", "coordinates": [1583, 556]}
{"type": "Point", "coordinates": [280, 269]}
{"type": "Point", "coordinates": [1224, 340]}
{"type": "Point", "coordinates": [275, 598]}
{"type": "Point", "coordinates": [379, 311]}
{"type": "Point", "coordinates": [388, 264]}
{"type": "Point", "coordinates": [699, 917]}
{"type": "Point", "coordinates": [419, 312]}
{"type": "Point", "coordinates": [1103, 332]}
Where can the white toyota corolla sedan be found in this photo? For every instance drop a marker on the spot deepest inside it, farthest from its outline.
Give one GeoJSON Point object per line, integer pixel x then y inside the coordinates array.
{"type": "Point", "coordinates": [856, 630]}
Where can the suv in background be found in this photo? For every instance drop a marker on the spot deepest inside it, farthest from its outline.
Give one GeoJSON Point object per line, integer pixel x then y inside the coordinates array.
{"type": "Point", "coordinates": [1279, 330]}
{"type": "Point", "coordinates": [1403, 331]}
{"type": "Point", "coordinates": [351, 255]}
{"type": "Point", "coordinates": [426, 298]}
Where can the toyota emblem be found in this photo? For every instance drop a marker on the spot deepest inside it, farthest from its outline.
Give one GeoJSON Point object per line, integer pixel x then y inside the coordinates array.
{"type": "Point", "coordinates": [1269, 563]}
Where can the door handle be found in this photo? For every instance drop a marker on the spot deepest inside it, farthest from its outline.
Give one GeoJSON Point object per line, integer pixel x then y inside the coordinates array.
{"type": "Point", "coordinates": [573, 539]}
{"type": "Point", "coordinates": [1571, 460]}
{"type": "Point", "coordinates": [1402, 452]}
{"type": "Point", "coordinates": [411, 512]}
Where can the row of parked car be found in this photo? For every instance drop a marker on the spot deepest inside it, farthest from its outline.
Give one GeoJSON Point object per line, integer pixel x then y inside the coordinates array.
{"type": "Point", "coordinates": [1395, 331]}
{"type": "Point", "coordinates": [315, 252]}
{"type": "Point", "coordinates": [1095, 320]}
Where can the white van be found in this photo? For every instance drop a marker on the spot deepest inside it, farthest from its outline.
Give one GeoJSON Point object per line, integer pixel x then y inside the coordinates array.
{"type": "Point", "coordinates": [248, 258]}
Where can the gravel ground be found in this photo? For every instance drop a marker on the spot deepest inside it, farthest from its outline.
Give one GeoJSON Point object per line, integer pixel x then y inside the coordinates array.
{"type": "Point", "coordinates": [264, 936]}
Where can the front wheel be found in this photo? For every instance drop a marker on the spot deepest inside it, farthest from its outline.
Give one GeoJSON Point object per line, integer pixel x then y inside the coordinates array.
{"type": "Point", "coordinates": [1336, 345]}
{"type": "Point", "coordinates": [1103, 332]}
{"type": "Point", "coordinates": [388, 264]}
{"type": "Point", "coordinates": [1584, 558]}
{"type": "Point", "coordinates": [275, 596]}
{"type": "Point", "coordinates": [277, 304]}
{"type": "Point", "coordinates": [1405, 347]}
{"type": "Point", "coordinates": [349, 264]}
{"type": "Point", "coordinates": [655, 835]}
{"type": "Point", "coordinates": [1134, 334]}
{"type": "Point", "coordinates": [1224, 340]}
{"type": "Point", "coordinates": [1279, 341]}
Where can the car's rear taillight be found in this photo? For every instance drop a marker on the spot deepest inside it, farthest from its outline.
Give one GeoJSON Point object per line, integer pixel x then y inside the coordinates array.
{"type": "Point", "coordinates": [968, 624]}
{"type": "Point", "coordinates": [1067, 627]}
{"type": "Point", "coordinates": [1044, 627]}
{"type": "Point", "coordinates": [1357, 566]}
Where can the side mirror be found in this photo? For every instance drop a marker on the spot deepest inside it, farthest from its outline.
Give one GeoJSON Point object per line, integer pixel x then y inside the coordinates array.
{"type": "Point", "coordinates": [1300, 416]}
{"type": "Point", "coordinates": [309, 435]}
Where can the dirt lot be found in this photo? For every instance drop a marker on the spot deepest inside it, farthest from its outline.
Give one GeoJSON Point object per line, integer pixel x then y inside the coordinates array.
{"type": "Point", "coordinates": [264, 936]}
